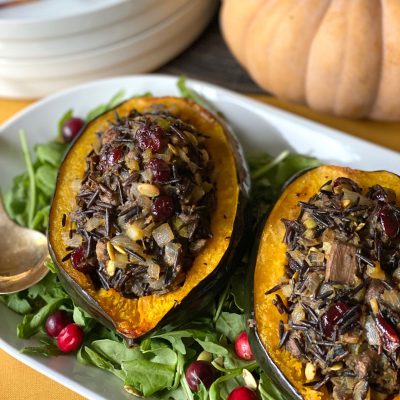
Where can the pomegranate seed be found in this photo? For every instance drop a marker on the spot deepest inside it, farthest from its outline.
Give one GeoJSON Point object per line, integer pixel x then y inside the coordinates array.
{"type": "Point", "coordinates": [242, 393]}
{"type": "Point", "coordinates": [389, 221]}
{"type": "Point", "coordinates": [70, 338]}
{"type": "Point", "coordinates": [390, 338]}
{"type": "Point", "coordinates": [242, 347]}
{"type": "Point", "coordinates": [71, 128]}
{"type": "Point", "coordinates": [333, 314]}
{"type": "Point", "coordinates": [56, 322]}
{"type": "Point", "coordinates": [160, 169]}
{"type": "Point", "coordinates": [200, 371]}
{"type": "Point", "coordinates": [151, 137]}
{"type": "Point", "coordinates": [162, 208]}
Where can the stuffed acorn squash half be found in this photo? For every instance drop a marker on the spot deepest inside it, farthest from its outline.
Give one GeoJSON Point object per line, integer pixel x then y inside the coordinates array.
{"type": "Point", "coordinates": [326, 286]}
{"type": "Point", "coordinates": [147, 211]}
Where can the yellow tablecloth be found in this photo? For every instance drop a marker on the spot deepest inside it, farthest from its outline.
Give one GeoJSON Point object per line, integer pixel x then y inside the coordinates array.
{"type": "Point", "coordinates": [18, 381]}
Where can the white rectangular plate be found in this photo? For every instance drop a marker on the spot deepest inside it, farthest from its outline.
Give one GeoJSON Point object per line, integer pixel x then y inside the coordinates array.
{"type": "Point", "coordinates": [259, 128]}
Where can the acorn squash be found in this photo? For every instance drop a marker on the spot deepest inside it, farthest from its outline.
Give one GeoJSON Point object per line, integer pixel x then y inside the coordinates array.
{"type": "Point", "coordinates": [269, 259]}
{"type": "Point", "coordinates": [133, 318]}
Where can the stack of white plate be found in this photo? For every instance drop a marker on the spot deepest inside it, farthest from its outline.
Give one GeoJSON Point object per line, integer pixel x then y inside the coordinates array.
{"type": "Point", "coordinates": [47, 45]}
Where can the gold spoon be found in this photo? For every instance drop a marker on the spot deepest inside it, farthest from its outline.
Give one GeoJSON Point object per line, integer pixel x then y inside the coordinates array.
{"type": "Point", "coordinates": [23, 253]}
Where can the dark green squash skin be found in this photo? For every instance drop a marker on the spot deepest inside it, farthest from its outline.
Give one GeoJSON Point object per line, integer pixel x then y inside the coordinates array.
{"type": "Point", "coordinates": [200, 296]}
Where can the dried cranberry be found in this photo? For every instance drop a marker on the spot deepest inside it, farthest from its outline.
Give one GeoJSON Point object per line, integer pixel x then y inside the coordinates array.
{"type": "Point", "coordinates": [242, 347]}
{"type": "Point", "coordinates": [200, 371]}
{"type": "Point", "coordinates": [79, 260]}
{"type": "Point", "coordinates": [111, 156]}
{"type": "Point", "coordinates": [71, 128]}
{"type": "Point", "coordinates": [56, 322]}
{"type": "Point", "coordinates": [160, 169]}
{"type": "Point", "coordinates": [70, 338]}
{"type": "Point", "coordinates": [330, 318]}
{"type": "Point", "coordinates": [389, 221]}
{"type": "Point", "coordinates": [242, 393]}
{"type": "Point", "coordinates": [163, 207]}
{"type": "Point", "coordinates": [151, 137]}
{"type": "Point", "coordinates": [390, 338]}
{"type": "Point", "coordinates": [342, 181]}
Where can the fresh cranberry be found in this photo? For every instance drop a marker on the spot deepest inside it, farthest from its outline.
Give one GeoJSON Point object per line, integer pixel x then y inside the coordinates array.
{"type": "Point", "coordinates": [71, 128]}
{"type": "Point", "coordinates": [330, 318]}
{"type": "Point", "coordinates": [111, 156]}
{"type": "Point", "coordinates": [346, 182]}
{"type": "Point", "coordinates": [200, 371]}
{"type": "Point", "coordinates": [162, 208]}
{"type": "Point", "coordinates": [79, 261]}
{"type": "Point", "coordinates": [242, 347]}
{"type": "Point", "coordinates": [389, 221]}
{"type": "Point", "coordinates": [151, 137]}
{"type": "Point", "coordinates": [56, 322]}
{"type": "Point", "coordinates": [390, 338]}
{"type": "Point", "coordinates": [160, 170]}
{"type": "Point", "coordinates": [70, 338]}
{"type": "Point", "coordinates": [242, 393]}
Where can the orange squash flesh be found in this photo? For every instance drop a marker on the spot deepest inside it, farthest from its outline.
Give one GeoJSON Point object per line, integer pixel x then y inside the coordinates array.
{"type": "Point", "coordinates": [133, 318]}
{"type": "Point", "coordinates": [271, 260]}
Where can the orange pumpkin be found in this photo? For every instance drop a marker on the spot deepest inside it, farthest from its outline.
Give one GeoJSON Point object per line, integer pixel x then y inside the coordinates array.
{"type": "Point", "coordinates": [337, 56]}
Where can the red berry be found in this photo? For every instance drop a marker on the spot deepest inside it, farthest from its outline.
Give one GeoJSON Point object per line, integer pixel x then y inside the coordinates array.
{"type": "Point", "coordinates": [79, 261]}
{"type": "Point", "coordinates": [160, 170]}
{"type": "Point", "coordinates": [70, 338]}
{"type": "Point", "coordinates": [71, 128]}
{"type": "Point", "coordinates": [330, 318]}
{"type": "Point", "coordinates": [151, 137]}
{"type": "Point", "coordinates": [162, 208]}
{"type": "Point", "coordinates": [242, 347]}
{"type": "Point", "coordinates": [242, 393]}
{"type": "Point", "coordinates": [389, 221]}
{"type": "Point", "coordinates": [56, 322]}
{"type": "Point", "coordinates": [200, 371]}
{"type": "Point", "coordinates": [111, 156]}
{"type": "Point", "coordinates": [390, 338]}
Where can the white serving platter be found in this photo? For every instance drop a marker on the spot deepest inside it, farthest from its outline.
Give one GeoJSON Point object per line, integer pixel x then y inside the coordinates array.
{"type": "Point", "coordinates": [259, 127]}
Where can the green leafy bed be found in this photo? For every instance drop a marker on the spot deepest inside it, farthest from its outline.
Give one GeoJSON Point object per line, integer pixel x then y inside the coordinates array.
{"type": "Point", "coordinates": [157, 366]}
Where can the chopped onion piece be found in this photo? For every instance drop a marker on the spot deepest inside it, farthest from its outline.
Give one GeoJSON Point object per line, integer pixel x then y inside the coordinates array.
{"type": "Point", "coordinates": [74, 241]}
{"type": "Point", "coordinates": [163, 235]}
{"type": "Point", "coordinates": [153, 270]}
{"type": "Point", "coordinates": [392, 297]}
{"type": "Point", "coordinates": [172, 252]}
{"type": "Point", "coordinates": [93, 223]}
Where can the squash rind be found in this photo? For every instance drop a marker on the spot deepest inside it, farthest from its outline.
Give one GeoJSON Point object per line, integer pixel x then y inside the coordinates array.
{"type": "Point", "coordinates": [135, 318]}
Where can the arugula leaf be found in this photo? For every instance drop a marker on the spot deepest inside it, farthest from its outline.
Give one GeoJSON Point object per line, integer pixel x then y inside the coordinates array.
{"type": "Point", "coordinates": [213, 348]}
{"type": "Point", "coordinates": [100, 362]}
{"type": "Point", "coordinates": [102, 108]}
{"type": "Point", "coordinates": [230, 325]}
{"type": "Point", "coordinates": [31, 203]}
{"type": "Point", "coordinates": [66, 116]}
{"type": "Point", "coordinates": [268, 390]}
{"type": "Point", "coordinates": [31, 323]}
{"type": "Point", "coordinates": [50, 153]}
{"type": "Point", "coordinates": [47, 349]}
{"type": "Point", "coordinates": [148, 377]}
{"type": "Point", "coordinates": [16, 303]}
